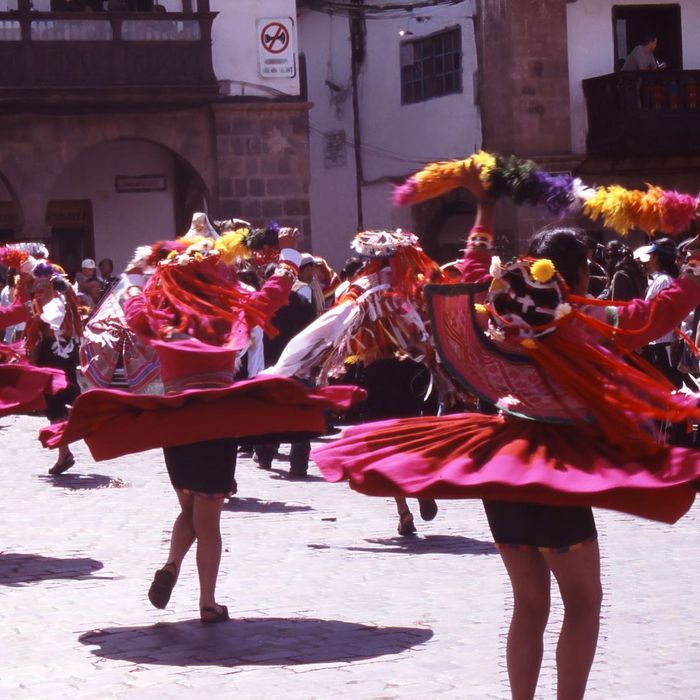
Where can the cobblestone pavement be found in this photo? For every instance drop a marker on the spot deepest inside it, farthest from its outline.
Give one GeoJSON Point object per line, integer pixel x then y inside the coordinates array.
{"type": "Point", "coordinates": [326, 600]}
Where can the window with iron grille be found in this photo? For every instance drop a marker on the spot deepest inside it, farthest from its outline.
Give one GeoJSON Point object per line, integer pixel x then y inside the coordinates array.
{"type": "Point", "coordinates": [431, 66]}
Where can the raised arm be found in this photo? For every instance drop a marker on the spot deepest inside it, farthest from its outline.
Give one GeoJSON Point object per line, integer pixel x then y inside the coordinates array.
{"type": "Point", "coordinates": [477, 253]}
{"type": "Point", "coordinates": [656, 317]}
{"type": "Point", "coordinates": [275, 292]}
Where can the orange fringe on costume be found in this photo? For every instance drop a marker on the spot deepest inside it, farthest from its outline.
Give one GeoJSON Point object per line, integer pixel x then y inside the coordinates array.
{"type": "Point", "coordinates": [632, 390]}
{"type": "Point", "coordinates": [196, 299]}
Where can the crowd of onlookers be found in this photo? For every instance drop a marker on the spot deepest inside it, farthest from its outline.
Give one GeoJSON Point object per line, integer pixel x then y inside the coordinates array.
{"type": "Point", "coordinates": [620, 274]}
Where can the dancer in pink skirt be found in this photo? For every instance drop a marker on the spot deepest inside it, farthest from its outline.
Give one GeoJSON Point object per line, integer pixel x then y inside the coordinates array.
{"type": "Point", "coordinates": [575, 430]}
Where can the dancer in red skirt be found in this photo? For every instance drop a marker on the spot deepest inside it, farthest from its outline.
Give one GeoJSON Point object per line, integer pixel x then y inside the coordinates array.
{"type": "Point", "coordinates": [575, 430]}
{"type": "Point", "coordinates": [23, 387]}
{"type": "Point", "coordinates": [198, 318]}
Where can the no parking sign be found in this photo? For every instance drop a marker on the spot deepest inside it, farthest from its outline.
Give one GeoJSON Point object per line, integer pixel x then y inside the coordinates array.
{"type": "Point", "coordinates": [276, 47]}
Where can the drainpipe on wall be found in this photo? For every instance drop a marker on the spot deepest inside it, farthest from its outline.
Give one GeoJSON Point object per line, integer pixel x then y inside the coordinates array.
{"type": "Point", "coordinates": [357, 56]}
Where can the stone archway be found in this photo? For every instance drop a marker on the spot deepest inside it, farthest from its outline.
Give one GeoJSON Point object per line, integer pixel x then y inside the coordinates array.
{"type": "Point", "coordinates": [116, 195]}
{"type": "Point", "coordinates": [37, 149]}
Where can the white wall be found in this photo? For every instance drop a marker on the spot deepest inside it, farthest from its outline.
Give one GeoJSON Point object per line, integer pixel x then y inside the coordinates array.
{"type": "Point", "coordinates": [235, 46]}
{"type": "Point", "coordinates": [591, 50]}
{"type": "Point", "coordinates": [122, 221]}
{"type": "Point", "coordinates": [396, 139]}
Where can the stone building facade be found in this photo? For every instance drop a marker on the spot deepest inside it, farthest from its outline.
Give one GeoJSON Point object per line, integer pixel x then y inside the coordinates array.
{"type": "Point", "coordinates": [98, 156]}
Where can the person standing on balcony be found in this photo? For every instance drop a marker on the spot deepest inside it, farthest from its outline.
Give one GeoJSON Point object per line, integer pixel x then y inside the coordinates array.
{"type": "Point", "coordinates": [642, 56]}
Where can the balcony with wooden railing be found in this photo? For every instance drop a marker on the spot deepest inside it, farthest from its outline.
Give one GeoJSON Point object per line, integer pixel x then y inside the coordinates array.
{"type": "Point", "coordinates": [642, 114]}
{"type": "Point", "coordinates": [54, 59]}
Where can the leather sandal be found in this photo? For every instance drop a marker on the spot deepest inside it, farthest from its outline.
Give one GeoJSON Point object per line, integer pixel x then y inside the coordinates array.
{"type": "Point", "coordinates": [63, 465]}
{"type": "Point", "coordinates": [212, 615]}
{"type": "Point", "coordinates": [406, 525]}
{"type": "Point", "coordinates": [163, 583]}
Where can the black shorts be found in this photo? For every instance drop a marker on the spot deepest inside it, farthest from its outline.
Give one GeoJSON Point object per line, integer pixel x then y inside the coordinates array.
{"type": "Point", "coordinates": [202, 467]}
{"type": "Point", "coordinates": [535, 526]}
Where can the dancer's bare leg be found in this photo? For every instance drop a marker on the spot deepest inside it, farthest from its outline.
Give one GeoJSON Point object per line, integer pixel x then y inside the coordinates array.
{"type": "Point", "coordinates": [578, 575]}
{"type": "Point", "coordinates": [530, 579]}
{"type": "Point", "coordinates": [183, 534]}
{"type": "Point", "coordinates": [206, 521]}
{"type": "Point", "coordinates": [406, 525]}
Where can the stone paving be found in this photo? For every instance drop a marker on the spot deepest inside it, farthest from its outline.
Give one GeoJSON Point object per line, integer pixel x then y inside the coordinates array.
{"type": "Point", "coordinates": [326, 600]}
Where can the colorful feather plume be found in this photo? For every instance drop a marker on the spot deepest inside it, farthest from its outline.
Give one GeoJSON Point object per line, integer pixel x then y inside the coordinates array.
{"type": "Point", "coordinates": [232, 245]}
{"type": "Point", "coordinates": [653, 210]}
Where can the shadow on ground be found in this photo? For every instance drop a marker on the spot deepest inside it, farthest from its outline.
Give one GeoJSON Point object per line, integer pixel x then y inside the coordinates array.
{"type": "Point", "coordinates": [252, 641]}
{"type": "Point", "coordinates": [83, 482]}
{"type": "Point", "coordinates": [284, 475]}
{"type": "Point", "coordinates": [430, 544]}
{"type": "Point", "coordinates": [255, 505]}
{"type": "Point", "coordinates": [18, 569]}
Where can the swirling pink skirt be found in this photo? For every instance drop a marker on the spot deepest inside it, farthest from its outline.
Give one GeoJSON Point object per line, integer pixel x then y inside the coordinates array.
{"type": "Point", "coordinates": [23, 387]}
{"type": "Point", "coordinates": [477, 456]}
{"type": "Point", "coordinates": [115, 423]}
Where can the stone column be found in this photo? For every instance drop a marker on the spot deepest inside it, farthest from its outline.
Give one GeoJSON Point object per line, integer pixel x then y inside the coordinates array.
{"type": "Point", "coordinates": [263, 164]}
{"type": "Point", "coordinates": [523, 89]}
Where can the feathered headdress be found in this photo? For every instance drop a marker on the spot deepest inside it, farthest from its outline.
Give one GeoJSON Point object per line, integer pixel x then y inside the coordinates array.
{"type": "Point", "coordinates": [529, 306]}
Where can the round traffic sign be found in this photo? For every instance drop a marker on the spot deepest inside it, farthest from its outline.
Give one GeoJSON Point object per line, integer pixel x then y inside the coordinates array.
{"type": "Point", "coordinates": [274, 37]}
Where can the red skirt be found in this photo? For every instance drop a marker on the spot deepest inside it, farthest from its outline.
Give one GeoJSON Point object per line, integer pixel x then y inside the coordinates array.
{"type": "Point", "coordinates": [23, 388]}
{"type": "Point", "coordinates": [478, 456]}
{"type": "Point", "coordinates": [115, 423]}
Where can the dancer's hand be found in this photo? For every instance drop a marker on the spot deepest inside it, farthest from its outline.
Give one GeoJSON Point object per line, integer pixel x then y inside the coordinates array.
{"type": "Point", "coordinates": [473, 182]}
{"type": "Point", "coordinates": [288, 238]}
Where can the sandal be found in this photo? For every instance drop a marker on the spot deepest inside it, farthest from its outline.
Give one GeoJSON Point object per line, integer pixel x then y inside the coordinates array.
{"type": "Point", "coordinates": [406, 526]}
{"type": "Point", "coordinates": [212, 615]}
{"type": "Point", "coordinates": [162, 586]}
{"type": "Point", "coordinates": [62, 465]}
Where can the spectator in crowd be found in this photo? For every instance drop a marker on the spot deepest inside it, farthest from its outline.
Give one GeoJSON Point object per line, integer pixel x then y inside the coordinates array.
{"type": "Point", "coordinates": [88, 271]}
{"type": "Point", "coordinates": [7, 298]}
{"type": "Point", "coordinates": [289, 321]}
{"type": "Point", "coordinates": [105, 274]}
{"type": "Point", "coordinates": [627, 279]}
{"type": "Point", "coordinates": [307, 284]}
{"type": "Point", "coordinates": [93, 292]}
{"type": "Point", "coordinates": [660, 261]}
{"type": "Point", "coordinates": [641, 57]}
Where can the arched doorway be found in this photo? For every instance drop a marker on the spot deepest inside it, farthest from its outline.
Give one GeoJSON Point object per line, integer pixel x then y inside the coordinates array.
{"type": "Point", "coordinates": [118, 195]}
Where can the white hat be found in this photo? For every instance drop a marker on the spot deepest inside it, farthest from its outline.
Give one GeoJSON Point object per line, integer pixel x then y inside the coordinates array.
{"type": "Point", "coordinates": [88, 263]}
{"type": "Point", "coordinates": [307, 259]}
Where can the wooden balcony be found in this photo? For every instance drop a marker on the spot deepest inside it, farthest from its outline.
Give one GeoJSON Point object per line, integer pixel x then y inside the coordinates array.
{"type": "Point", "coordinates": [650, 113]}
{"type": "Point", "coordinates": [54, 61]}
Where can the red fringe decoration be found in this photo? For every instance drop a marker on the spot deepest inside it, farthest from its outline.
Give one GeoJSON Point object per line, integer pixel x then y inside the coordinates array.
{"type": "Point", "coordinates": [198, 300]}
{"type": "Point", "coordinates": [620, 391]}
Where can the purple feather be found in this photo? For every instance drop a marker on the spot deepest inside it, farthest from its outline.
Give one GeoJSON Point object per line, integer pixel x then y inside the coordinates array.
{"type": "Point", "coordinates": [556, 191]}
{"type": "Point", "coordinates": [43, 270]}
{"type": "Point", "coordinates": [403, 194]}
